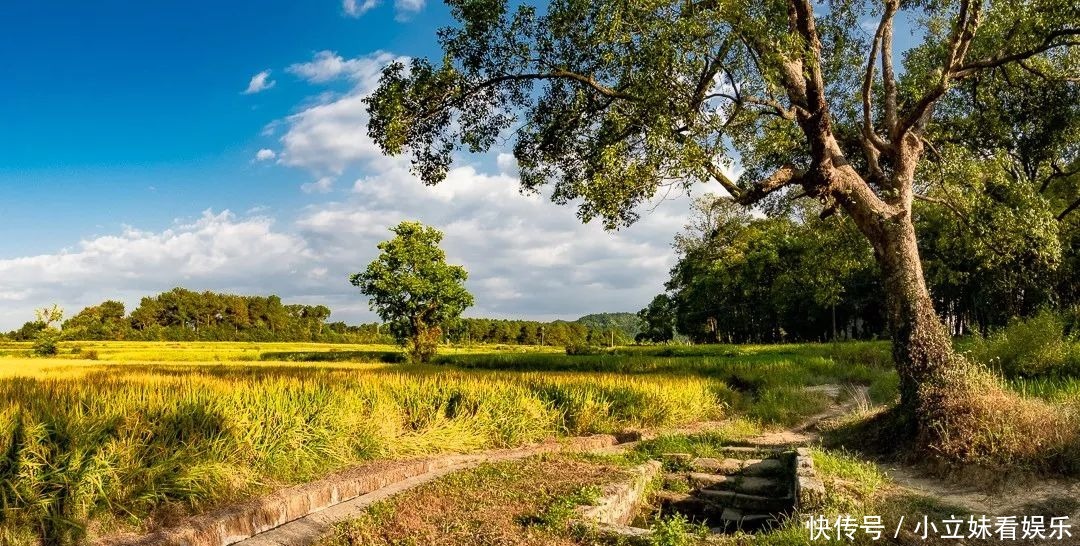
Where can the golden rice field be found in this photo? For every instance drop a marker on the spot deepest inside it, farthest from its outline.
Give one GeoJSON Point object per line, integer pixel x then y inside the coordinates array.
{"type": "Point", "coordinates": [148, 431]}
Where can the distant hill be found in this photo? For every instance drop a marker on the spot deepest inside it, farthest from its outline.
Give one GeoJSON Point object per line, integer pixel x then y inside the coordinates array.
{"type": "Point", "coordinates": [627, 323]}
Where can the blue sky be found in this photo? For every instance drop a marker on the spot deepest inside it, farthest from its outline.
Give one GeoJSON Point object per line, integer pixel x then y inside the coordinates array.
{"type": "Point", "coordinates": [222, 146]}
{"type": "Point", "coordinates": [130, 112]}
{"type": "Point", "coordinates": [141, 150]}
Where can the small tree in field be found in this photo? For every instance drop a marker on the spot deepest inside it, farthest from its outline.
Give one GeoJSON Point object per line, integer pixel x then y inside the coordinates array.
{"type": "Point", "coordinates": [45, 344]}
{"type": "Point", "coordinates": [413, 288]}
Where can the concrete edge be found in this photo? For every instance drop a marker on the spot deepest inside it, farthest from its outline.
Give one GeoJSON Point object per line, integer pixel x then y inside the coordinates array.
{"type": "Point", "coordinates": [809, 489]}
{"type": "Point", "coordinates": [236, 523]}
{"type": "Point", "coordinates": [616, 508]}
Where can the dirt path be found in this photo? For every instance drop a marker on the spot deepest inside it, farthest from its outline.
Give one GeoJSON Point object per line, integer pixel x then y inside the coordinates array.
{"type": "Point", "coordinates": [1016, 496]}
{"type": "Point", "coordinates": [301, 514]}
{"type": "Point", "coordinates": [1008, 495]}
{"type": "Point", "coordinates": [846, 399]}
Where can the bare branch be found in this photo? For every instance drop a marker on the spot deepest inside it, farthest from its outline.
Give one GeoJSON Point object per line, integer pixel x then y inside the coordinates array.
{"type": "Point", "coordinates": [728, 184]}
{"type": "Point", "coordinates": [1058, 173]}
{"type": "Point", "coordinates": [708, 74]}
{"type": "Point", "coordinates": [774, 106]}
{"type": "Point", "coordinates": [869, 137]}
{"type": "Point", "coordinates": [784, 176]}
{"type": "Point", "coordinates": [888, 77]}
{"type": "Point", "coordinates": [802, 15]}
{"type": "Point", "coordinates": [587, 80]}
{"type": "Point", "coordinates": [873, 145]}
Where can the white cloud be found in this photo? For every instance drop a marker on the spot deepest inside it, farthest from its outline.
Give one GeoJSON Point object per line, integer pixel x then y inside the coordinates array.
{"type": "Point", "coordinates": [354, 9]}
{"type": "Point", "coordinates": [259, 82]}
{"type": "Point", "coordinates": [330, 134]}
{"type": "Point", "coordinates": [404, 9]}
{"type": "Point", "coordinates": [407, 8]}
{"type": "Point", "coordinates": [322, 185]}
{"type": "Point", "coordinates": [328, 65]}
{"type": "Point", "coordinates": [216, 251]}
{"type": "Point", "coordinates": [265, 154]}
{"type": "Point", "coordinates": [526, 257]}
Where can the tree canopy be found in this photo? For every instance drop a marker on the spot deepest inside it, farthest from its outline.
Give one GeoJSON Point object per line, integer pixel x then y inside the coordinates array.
{"type": "Point", "coordinates": [611, 100]}
{"type": "Point", "coordinates": [412, 288]}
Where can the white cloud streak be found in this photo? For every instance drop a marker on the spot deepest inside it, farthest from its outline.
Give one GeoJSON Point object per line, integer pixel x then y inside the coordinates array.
{"type": "Point", "coordinates": [322, 185]}
{"type": "Point", "coordinates": [405, 9]}
{"type": "Point", "coordinates": [352, 8]}
{"type": "Point", "coordinates": [328, 65]}
{"type": "Point", "coordinates": [259, 82]}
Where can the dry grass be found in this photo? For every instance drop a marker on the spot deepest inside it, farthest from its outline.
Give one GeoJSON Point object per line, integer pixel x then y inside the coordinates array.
{"type": "Point", "coordinates": [975, 420]}
{"type": "Point", "coordinates": [520, 503]}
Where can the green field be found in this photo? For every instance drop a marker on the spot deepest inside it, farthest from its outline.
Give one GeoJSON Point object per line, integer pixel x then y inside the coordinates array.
{"type": "Point", "coordinates": [147, 432]}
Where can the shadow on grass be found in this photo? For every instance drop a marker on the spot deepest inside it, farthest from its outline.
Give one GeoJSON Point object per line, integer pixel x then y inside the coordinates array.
{"type": "Point", "coordinates": [884, 434]}
{"type": "Point", "coordinates": [388, 357]}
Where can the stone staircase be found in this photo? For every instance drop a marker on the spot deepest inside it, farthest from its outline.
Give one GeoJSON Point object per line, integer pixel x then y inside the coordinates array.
{"type": "Point", "coordinates": [749, 489]}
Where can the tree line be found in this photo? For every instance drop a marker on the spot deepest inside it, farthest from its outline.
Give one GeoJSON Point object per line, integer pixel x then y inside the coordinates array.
{"type": "Point", "coordinates": [186, 315]}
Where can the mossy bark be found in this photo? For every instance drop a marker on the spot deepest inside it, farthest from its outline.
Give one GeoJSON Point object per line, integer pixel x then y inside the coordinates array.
{"type": "Point", "coordinates": [921, 348]}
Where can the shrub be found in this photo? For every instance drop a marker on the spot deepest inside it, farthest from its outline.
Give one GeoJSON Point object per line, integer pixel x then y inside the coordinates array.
{"type": "Point", "coordinates": [977, 421]}
{"type": "Point", "coordinates": [1038, 346]}
{"type": "Point", "coordinates": [47, 343]}
{"type": "Point", "coordinates": [676, 530]}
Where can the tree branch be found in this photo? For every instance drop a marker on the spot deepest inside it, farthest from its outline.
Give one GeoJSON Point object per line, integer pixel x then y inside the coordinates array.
{"type": "Point", "coordinates": [1058, 173]}
{"type": "Point", "coordinates": [967, 22]}
{"type": "Point", "coordinates": [1069, 209]}
{"type": "Point", "coordinates": [708, 74]}
{"type": "Point", "coordinates": [888, 77]}
{"type": "Point", "coordinates": [802, 16]}
{"type": "Point", "coordinates": [784, 176]}
{"type": "Point", "coordinates": [729, 185]}
{"type": "Point", "coordinates": [869, 137]}
{"type": "Point", "coordinates": [774, 105]}
{"type": "Point", "coordinates": [1048, 43]}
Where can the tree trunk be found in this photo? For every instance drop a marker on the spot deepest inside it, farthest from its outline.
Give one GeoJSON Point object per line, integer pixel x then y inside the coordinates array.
{"type": "Point", "coordinates": [920, 345]}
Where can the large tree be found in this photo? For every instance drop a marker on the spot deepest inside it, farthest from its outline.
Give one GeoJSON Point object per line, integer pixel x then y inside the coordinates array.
{"type": "Point", "coordinates": [610, 100]}
{"type": "Point", "coordinates": [413, 288]}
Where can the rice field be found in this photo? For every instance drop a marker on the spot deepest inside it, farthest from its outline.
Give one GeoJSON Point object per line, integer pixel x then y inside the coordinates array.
{"type": "Point", "coordinates": [124, 436]}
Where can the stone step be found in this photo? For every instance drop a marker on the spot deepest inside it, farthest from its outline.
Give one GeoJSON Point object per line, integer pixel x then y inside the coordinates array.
{"type": "Point", "coordinates": [751, 485]}
{"type": "Point", "coordinates": [716, 466]}
{"type": "Point", "coordinates": [743, 501]}
{"type": "Point", "coordinates": [746, 452]}
{"type": "Point", "coordinates": [746, 467]}
{"type": "Point", "coordinates": [693, 507]}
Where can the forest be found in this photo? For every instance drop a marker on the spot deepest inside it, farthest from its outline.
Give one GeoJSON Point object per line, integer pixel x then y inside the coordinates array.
{"type": "Point", "coordinates": [793, 276]}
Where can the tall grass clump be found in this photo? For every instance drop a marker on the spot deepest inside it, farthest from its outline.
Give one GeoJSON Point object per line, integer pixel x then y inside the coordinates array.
{"type": "Point", "coordinates": [977, 421]}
